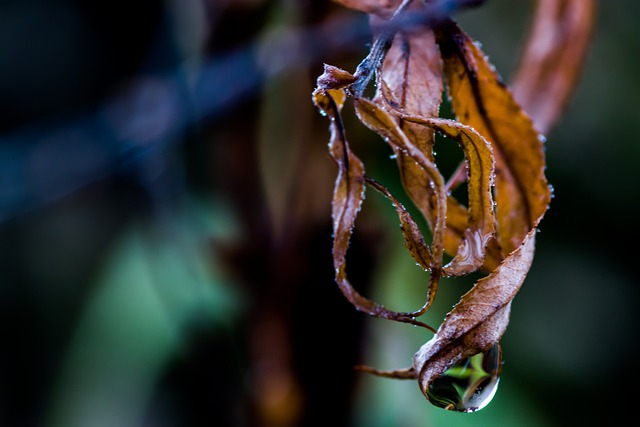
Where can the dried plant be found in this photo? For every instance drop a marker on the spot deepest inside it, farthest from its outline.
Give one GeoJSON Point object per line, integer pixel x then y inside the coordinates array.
{"type": "Point", "coordinates": [418, 51]}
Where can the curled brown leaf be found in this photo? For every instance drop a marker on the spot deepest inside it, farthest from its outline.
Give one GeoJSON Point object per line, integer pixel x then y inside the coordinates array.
{"type": "Point", "coordinates": [413, 73]}
{"type": "Point", "coordinates": [348, 195]}
{"type": "Point", "coordinates": [479, 319]}
{"type": "Point", "coordinates": [380, 121]}
{"type": "Point", "coordinates": [383, 123]}
{"type": "Point", "coordinates": [414, 241]}
{"type": "Point", "coordinates": [480, 224]}
{"type": "Point", "coordinates": [504, 162]}
{"type": "Point", "coordinates": [481, 100]}
{"type": "Point", "coordinates": [553, 57]}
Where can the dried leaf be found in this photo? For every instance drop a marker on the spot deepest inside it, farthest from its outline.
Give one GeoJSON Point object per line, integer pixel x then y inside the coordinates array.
{"type": "Point", "coordinates": [334, 78]}
{"type": "Point", "coordinates": [479, 320]}
{"type": "Point", "coordinates": [457, 226]}
{"type": "Point", "coordinates": [482, 101]}
{"type": "Point", "coordinates": [348, 195]}
{"type": "Point", "coordinates": [383, 123]}
{"type": "Point", "coordinates": [413, 72]}
{"type": "Point", "coordinates": [480, 224]}
{"type": "Point", "coordinates": [412, 236]}
{"type": "Point", "coordinates": [504, 157]}
{"type": "Point", "coordinates": [552, 61]}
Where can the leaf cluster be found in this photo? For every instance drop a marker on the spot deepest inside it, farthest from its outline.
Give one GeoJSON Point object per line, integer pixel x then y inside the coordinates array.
{"type": "Point", "coordinates": [419, 52]}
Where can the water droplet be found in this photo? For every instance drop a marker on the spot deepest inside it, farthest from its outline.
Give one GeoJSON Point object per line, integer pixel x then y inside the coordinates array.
{"type": "Point", "coordinates": [470, 384]}
{"type": "Point", "coordinates": [542, 138]}
{"type": "Point", "coordinates": [393, 156]}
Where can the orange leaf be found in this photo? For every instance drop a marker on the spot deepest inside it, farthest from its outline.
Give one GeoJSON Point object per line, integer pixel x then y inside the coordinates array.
{"type": "Point", "coordinates": [481, 224]}
{"type": "Point", "coordinates": [482, 101]}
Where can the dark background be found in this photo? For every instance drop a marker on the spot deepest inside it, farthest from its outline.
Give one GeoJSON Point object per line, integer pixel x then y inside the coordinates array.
{"type": "Point", "coordinates": [165, 235]}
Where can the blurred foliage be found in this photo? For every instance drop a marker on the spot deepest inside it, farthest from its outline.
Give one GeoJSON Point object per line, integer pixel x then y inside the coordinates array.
{"type": "Point", "coordinates": [165, 225]}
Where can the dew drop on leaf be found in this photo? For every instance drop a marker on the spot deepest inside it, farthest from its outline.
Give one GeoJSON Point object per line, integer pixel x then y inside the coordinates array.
{"type": "Point", "coordinates": [470, 384]}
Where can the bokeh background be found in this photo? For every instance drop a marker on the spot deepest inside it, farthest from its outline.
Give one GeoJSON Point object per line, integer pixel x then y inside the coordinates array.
{"type": "Point", "coordinates": [165, 225]}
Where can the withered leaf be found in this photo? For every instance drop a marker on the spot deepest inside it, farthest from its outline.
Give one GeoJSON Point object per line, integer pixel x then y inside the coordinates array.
{"type": "Point", "coordinates": [480, 223]}
{"type": "Point", "coordinates": [552, 60]}
{"type": "Point", "coordinates": [348, 192]}
{"type": "Point", "coordinates": [412, 236]}
{"type": "Point", "coordinates": [379, 120]}
{"type": "Point", "coordinates": [334, 78]}
{"type": "Point", "coordinates": [349, 188]}
{"type": "Point", "coordinates": [504, 159]}
{"type": "Point", "coordinates": [458, 225]}
{"type": "Point", "coordinates": [480, 318]}
{"type": "Point", "coordinates": [348, 195]}
{"type": "Point", "coordinates": [482, 101]}
{"type": "Point", "coordinates": [413, 73]}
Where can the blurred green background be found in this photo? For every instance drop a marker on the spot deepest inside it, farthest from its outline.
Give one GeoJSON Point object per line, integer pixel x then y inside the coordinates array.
{"type": "Point", "coordinates": [165, 235]}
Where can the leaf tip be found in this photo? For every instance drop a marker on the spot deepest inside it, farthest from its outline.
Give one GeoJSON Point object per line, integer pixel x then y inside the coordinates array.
{"type": "Point", "coordinates": [334, 78]}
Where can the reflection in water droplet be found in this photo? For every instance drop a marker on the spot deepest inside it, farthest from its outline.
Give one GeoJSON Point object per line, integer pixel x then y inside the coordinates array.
{"type": "Point", "coordinates": [470, 384]}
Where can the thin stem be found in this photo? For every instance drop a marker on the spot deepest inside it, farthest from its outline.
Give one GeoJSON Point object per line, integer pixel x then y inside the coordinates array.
{"type": "Point", "coordinates": [400, 374]}
{"type": "Point", "coordinates": [457, 178]}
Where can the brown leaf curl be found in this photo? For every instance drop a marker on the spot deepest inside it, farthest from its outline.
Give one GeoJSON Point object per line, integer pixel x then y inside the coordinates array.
{"type": "Point", "coordinates": [480, 221]}
{"type": "Point", "coordinates": [504, 157]}
{"type": "Point", "coordinates": [479, 320]}
{"type": "Point", "coordinates": [380, 121]}
{"type": "Point", "coordinates": [481, 100]}
{"type": "Point", "coordinates": [552, 60]}
{"type": "Point", "coordinates": [413, 73]}
{"type": "Point", "coordinates": [348, 195]}
{"type": "Point", "coordinates": [414, 241]}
